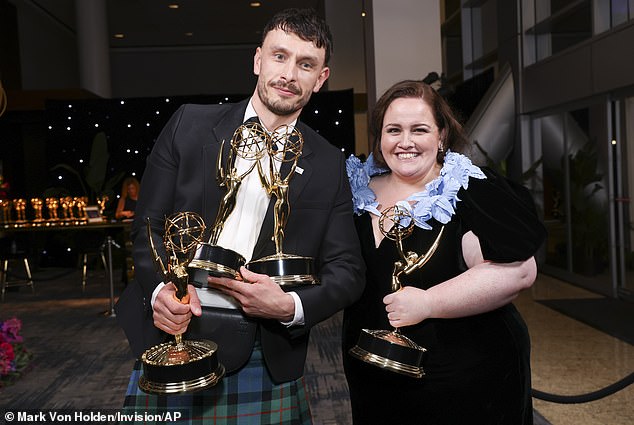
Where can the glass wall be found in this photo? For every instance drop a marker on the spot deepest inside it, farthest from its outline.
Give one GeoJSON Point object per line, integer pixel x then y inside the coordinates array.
{"type": "Point", "coordinates": [479, 43]}
{"type": "Point", "coordinates": [610, 13]}
{"type": "Point", "coordinates": [586, 195]}
{"type": "Point", "coordinates": [551, 26]}
{"type": "Point", "coordinates": [575, 188]}
{"type": "Point", "coordinates": [623, 148]}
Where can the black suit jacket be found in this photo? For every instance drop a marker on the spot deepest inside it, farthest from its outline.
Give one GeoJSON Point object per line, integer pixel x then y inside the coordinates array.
{"type": "Point", "coordinates": [180, 176]}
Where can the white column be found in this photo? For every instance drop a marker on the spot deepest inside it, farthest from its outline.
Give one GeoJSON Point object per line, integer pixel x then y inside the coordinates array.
{"type": "Point", "coordinates": [93, 46]}
{"type": "Point", "coordinates": [407, 41]}
{"type": "Point", "coordinates": [346, 25]}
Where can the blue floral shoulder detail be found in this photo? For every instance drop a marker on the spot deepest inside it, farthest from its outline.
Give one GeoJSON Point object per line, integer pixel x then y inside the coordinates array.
{"type": "Point", "coordinates": [359, 174]}
{"type": "Point", "coordinates": [438, 200]}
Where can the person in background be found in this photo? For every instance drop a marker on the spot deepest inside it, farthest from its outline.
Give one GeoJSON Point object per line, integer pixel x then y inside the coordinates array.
{"type": "Point", "coordinates": [262, 331]}
{"type": "Point", "coordinates": [127, 201]}
{"type": "Point", "coordinates": [125, 211]}
{"type": "Point", "coordinates": [457, 305]}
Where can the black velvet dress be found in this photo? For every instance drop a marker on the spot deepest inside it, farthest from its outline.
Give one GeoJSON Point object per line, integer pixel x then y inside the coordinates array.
{"type": "Point", "coordinates": [477, 369]}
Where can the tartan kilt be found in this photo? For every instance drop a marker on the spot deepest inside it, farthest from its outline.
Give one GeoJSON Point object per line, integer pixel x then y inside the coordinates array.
{"type": "Point", "coordinates": [247, 397]}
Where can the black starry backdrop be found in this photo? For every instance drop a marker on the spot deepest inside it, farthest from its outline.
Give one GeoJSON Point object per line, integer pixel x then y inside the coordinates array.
{"type": "Point", "coordinates": [131, 127]}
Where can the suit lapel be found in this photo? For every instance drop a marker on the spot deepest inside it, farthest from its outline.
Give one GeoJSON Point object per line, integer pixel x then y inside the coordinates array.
{"type": "Point", "coordinates": [227, 125]}
{"type": "Point", "coordinates": [304, 169]}
{"type": "Point", "coordinates": [223, 130]}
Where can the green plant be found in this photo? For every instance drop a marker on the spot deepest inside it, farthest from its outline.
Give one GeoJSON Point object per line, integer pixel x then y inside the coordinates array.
{"type": "Point", "coordinates": [92, 177]}
{"type": "Point", "coordinates": [588, 218]}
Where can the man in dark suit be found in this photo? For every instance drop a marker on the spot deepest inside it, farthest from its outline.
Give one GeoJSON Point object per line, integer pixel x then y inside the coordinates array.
{"type": "Point", "coordinates": [262, 331]}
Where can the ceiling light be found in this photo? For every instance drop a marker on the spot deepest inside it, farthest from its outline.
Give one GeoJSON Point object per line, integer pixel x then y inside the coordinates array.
{"type": "Point", "coordinates": [255, 4]}
{"type": "Point", "coordinates": [119, 36]}
{"type": "Point", "coordinates": [189, 34]}
{"type": "Point", "coordinates": [173, 6]}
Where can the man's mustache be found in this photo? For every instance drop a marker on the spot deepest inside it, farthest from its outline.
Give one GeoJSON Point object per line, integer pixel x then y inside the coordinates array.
{"type": "Point", "coordinates": [287, 86]}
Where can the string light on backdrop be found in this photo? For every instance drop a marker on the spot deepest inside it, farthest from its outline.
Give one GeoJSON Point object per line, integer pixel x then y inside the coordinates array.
{"type": "Point", "coordinates": [132, 125]}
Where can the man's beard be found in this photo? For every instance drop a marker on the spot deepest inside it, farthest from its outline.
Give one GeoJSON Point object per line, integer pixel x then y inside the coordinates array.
{"type": "Point", "coordinates": [280, 107]}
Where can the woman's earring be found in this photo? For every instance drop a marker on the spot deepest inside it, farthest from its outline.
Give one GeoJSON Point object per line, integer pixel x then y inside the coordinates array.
{"type": "Point", "coordinates": [440, 149]}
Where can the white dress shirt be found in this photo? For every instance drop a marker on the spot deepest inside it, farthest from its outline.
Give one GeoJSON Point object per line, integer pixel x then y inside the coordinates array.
{"type": "Point", "coordinates": [242, 229]}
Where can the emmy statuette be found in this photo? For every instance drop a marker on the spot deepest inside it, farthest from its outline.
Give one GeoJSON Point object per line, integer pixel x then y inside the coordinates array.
{"type": "Point", "coordinates": [179, 366]}
{"type": "Point", "coordinates": [37, 205]}
{"type": "Point", "coordinates": [19, 205]}
{"type": "Point", "coordinates": [211, 259]}
{"type": "Point", "coordinates": [52, 204]}
{"type": "Point", "coordinates": [284, 146]}
{"type": "Point", "coordinates": [6, 206]}
{"type": "Point", "coordinates": [390, 349]}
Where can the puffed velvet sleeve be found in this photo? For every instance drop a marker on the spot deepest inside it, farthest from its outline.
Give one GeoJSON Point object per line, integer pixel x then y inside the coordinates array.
{"type": "Point", "coordinates": [502, 214]}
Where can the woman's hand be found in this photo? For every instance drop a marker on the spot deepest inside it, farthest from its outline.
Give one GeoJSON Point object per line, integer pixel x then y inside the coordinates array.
{"type": "Point", "coordinates": [407, 306]}
{"type": "Point", "coordinates": [124, 214]}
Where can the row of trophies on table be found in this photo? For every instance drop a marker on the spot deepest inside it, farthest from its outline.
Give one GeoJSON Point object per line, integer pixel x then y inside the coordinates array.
{"type": "Point", "coordinates": [66, 210]}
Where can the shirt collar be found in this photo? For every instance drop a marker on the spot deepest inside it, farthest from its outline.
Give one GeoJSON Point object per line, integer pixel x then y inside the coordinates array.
{"type": "Point", "coordinates": [250, 113]}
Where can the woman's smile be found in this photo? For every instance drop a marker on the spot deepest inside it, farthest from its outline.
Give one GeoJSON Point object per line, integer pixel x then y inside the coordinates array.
{"type": "Point", "coordinates": [407, 155]}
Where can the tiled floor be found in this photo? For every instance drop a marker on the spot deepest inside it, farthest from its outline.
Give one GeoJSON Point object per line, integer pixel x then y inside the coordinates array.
{"type": "Point", "coordinates": [570, 358]}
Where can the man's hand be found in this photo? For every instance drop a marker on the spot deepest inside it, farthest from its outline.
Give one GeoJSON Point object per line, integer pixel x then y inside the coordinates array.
{"type": "Point", "coordinates": [172, 315]}
{"type": "Point", "coordinates": [258, 295]}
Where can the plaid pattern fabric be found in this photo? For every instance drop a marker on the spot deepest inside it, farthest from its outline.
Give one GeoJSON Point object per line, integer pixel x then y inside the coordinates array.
{"type": "Point", "coordinates": [247, 397]}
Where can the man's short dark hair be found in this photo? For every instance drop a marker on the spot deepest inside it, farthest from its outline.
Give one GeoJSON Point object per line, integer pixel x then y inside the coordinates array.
{"type": "Point", "coordinates": [304, 23]}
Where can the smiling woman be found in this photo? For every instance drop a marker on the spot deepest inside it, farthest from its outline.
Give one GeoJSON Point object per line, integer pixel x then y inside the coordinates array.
{"type": "Point", "coordinates": [480, 233]}
{"type": "Point", "coordinates": [410, 141]}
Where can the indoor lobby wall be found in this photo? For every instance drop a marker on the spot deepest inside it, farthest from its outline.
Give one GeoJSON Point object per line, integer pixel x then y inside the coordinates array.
{"type": "Point", "coordinates": [182, 71]}
{"type": "Point", "coordinates": [48, 50]}
{"type": "Point", "coordinates": [589, 69]}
